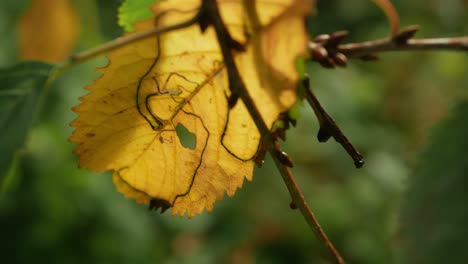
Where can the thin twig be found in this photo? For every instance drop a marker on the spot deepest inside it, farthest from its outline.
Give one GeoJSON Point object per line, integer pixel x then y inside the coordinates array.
{"type": "Point", "coordinates": [328, 126]}
{"type": "Point", "coordinates": [300, 202]}
{"type": "Point", "coordinates": [388, 44]}
{"type": "Point", "coordinates": [327, 49]}
{"type": "Point", "coordinates": [238, 89]}
{"type": "Point", "coordinates": [122, 41]}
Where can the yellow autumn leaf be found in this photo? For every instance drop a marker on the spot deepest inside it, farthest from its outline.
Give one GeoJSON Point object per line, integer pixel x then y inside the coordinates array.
{"type": "Point", "coordinates": [48, 30]}
{"type": "Point", "coordinates": [128, 123]}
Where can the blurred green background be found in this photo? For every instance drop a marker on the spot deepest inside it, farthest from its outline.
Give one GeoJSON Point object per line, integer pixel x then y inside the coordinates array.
{"type": "Point", "coordinates": [52, 212]}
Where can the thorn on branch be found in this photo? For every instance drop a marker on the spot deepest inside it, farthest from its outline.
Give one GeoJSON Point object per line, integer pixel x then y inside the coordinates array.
{"type": "Point", "coordinates": [405, 34]}
{"type": "Point", "coordinates": [337, 37]}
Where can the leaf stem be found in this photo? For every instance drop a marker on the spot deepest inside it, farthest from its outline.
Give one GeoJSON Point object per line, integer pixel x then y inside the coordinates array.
{"type": "Point", "coordinates": [212, 17]}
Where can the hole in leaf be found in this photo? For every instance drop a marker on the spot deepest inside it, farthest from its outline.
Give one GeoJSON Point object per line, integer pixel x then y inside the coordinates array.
{"type": "Point", "coordinates": [187, 138]}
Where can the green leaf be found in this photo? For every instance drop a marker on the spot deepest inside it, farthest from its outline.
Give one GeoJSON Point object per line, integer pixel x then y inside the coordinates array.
{"type": "Point", "coordinates": [132, 11]}
{"type": "Point", "coordinates": [295, 111]}
{"type": "Point", "coordinates": [20, 88]}
{"type": "Point", "coordinates": [435, 213]}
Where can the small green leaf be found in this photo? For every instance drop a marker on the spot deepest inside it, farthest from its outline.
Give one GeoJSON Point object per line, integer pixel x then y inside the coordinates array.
{"type": "Point", "coordinates": [278, 124]}
{"type": "Point", "coordinates": [132, 11]}
{"type": "Point", "coordinates": [435, 213]}
{"type": "Point", "coordinates": [295, 111]}
{"type": "Point", "coordinates": [20, 88]}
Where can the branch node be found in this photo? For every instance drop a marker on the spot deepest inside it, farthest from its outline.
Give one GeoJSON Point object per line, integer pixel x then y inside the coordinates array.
{"type": "Point", "coordinates": [282, 156]}
{"type": "Point", "coordinates": [292, 205]}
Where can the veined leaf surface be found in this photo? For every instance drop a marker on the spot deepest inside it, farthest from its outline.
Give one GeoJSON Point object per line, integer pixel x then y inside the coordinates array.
{"type": "Point", "coordinates": [128, 122]}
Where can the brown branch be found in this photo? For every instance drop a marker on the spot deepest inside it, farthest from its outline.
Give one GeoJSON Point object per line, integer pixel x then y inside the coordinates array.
{"type": "Point", "coordinates": [386, 45]}
{"type": "Point", "coordinates": [298, 201]}
{"type": "Point", "coordinates": [328, 127]}
{"type": "Point", "coordinates": [212, 17]}
{"type": "Point", "coordinates": [329, 52]}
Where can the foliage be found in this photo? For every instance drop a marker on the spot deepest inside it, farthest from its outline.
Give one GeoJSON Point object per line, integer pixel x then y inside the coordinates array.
{"type": "Point", "coordinates": [432, 217]}
{"type": "Point", "coordinates": [21, 88]}
{"type": "Point", "coordinates": [132, 11]}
